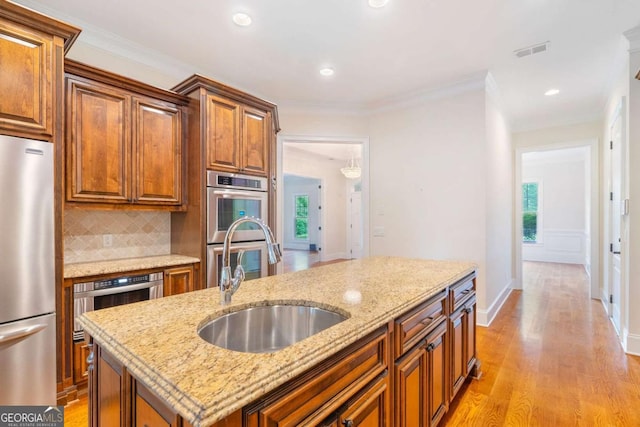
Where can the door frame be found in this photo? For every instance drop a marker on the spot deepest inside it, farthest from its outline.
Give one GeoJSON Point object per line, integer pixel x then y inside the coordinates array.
{"type": "Point", "coordinates": [620, 113]}
{"type": "Point", "coordinates": [594, 247]}
{"type": "Point", "coordinates": [364, 141]}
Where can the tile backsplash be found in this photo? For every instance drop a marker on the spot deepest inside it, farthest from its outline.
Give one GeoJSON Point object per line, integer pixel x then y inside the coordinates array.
{"type": "Point", "coordinates": [131, 234]}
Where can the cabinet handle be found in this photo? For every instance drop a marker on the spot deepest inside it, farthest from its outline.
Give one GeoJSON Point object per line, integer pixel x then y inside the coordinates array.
{"type": "Point", "coordinates": [427, 320]}
{"type": "Point", "coordinates": [468, 310]}
{"type": "Point", "coordinates": [347, 423]}
{"type": "Point", "coordinates": [431, 346]}
{"type": "Point", "coordinates": [466, 291]}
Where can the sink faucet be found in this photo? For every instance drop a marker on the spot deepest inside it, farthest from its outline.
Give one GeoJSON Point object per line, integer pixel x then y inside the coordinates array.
{"type": "Point", "coordinates": [229, 284]}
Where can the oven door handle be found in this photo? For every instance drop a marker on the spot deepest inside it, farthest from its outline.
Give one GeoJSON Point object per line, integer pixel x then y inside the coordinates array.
{"type": "Point", "coordinates": [117, 289]}
{"type": "Point", "coordinates": [249, 194]}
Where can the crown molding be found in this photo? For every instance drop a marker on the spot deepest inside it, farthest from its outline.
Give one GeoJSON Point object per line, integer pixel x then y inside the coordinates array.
{"type": "Point", "coordinates": [633, 35]}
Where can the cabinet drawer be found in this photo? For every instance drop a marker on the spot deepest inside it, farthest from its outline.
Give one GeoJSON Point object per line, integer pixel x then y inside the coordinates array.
{"type": "Point", "coordinates": [322, 390]}
{"type": "Point", "coordinates": [460, 291]}
{"type": "Point", "coordinates": [413, 326]}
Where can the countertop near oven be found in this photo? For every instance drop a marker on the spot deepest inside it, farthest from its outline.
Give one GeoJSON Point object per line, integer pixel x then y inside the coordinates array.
{"type": "Point", "coordinates": [158, 343]}
{"type": "Point", "coordinates": [95, 268]}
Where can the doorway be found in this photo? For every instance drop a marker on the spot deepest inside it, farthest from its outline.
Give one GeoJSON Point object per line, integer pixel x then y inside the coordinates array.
{"type": "Point", "coordinates": [556, 222]}
{"type": "Point", "coordinates": [323, 159]}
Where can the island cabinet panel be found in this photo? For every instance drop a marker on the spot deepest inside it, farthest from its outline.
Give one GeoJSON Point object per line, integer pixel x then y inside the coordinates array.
{"type": "Point", "coordinates": [315, 396]}
{"type": "Point", "coordinates": [370, 408]}
{"type": "Point", "coordinates": [421, 397]}
{"type": "Point", "coordinates": [151, 411]}
{"type": "Point", "coordinates": [462, 330]}
{"type": "Point", "coordinates": [124, 142]}
{"type": "Point", "coordinates": [109, 405]}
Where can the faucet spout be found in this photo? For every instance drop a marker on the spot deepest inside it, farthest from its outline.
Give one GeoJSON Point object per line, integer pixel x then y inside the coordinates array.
{"type": "Point", "coordinates": [229, 283]}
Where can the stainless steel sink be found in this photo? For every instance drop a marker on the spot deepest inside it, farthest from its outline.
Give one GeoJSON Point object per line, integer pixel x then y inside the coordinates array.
{"type": "Point", "coordinates": [268, 328]}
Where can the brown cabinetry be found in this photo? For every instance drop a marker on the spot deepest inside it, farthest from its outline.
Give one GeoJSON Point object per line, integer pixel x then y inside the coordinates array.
{"type": "Point", "coordinates": [238, 136]}
{"type": "Point", "coordinates": [74, 354]}
{"type": "Point", "coordinates": [421, 397]}
{"type": "Point", "coordinates": [32, 47]}
{"type": "Point", "coordinates": [178, 280]}
{"type": "Point", "coordinates": [124, 147]}
{"type": "Point", "coordinates": [462, 329]}
{"type": "Point", "coordinates": [318, 394]}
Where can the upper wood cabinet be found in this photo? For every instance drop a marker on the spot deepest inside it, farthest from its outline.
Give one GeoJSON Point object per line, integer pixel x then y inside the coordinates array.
{"type": "Point", "coordinates": [124, 146]}
{"type": "Point", "coordinates": [238, 138]}
{"type": "Point", "coordinates": [32, 48]}
{"type": "Point", "coordinates": [238, 130]}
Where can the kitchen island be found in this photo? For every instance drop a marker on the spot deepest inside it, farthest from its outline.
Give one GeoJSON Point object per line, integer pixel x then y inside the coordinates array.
{"type": "Point", "coordinates": [154, 344]}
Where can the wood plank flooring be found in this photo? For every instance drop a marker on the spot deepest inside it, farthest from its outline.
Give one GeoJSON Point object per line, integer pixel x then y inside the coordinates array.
{"type": "Point", "coordinates": [550, 358]}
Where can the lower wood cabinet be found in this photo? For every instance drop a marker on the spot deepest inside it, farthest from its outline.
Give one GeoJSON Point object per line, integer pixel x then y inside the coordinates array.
{"type": "Point", "coordinates": [321, 392]}
{"type": "Point", "coordinates": [462, 327]}
{"type": "Point", "coordinates": [178, 280]}
{"type": "Point", "coordinates": [407, 381]}
{"type": "Point", "coordinates": [421, 394]}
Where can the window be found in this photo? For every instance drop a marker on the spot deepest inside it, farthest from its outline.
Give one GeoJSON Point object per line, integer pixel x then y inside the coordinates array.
{"type": "Point", "coordinates": [530, 212]}
{"type": "Point", "coordinates": [301, 217]}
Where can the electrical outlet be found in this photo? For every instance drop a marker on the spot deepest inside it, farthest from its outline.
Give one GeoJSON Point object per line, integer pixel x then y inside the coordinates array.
{"type": "Point", "coordinates": [107, 240]}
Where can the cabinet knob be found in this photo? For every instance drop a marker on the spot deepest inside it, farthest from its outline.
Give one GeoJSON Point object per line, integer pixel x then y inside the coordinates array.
{"type": "Point", "coordinates": [347, 423]}
{"type": "Point", "coordinates": [468, 310]}
{"type": "Point", "coordinates": [431, 346]}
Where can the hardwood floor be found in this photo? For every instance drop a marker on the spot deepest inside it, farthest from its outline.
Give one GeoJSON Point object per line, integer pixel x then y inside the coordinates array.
{"type": "Point", "coordinates": [551, 358]}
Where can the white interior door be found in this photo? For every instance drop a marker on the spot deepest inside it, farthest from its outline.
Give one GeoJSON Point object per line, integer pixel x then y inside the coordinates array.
{"type": "Point", "coordinates": [355, 226]}
{"type": "Point", "coordinates": [615, 211]}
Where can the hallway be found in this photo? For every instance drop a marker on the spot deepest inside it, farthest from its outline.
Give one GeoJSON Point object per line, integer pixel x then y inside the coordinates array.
{"type": "Point", "coordinates": [551, 358]}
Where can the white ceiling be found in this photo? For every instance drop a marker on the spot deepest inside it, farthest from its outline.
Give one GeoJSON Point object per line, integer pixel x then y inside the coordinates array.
{"type": "Point", "coordinates": [379, 55]}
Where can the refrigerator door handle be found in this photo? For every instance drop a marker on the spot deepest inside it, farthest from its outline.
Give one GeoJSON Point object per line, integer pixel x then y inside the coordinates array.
{"type": "Point", "coordinates": [20, 333]}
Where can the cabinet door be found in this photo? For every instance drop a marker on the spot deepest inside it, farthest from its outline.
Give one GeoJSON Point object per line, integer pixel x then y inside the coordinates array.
{"type": "Point", "coordinates": [222, 122]}
{"type": "Point", "coordinates": [98, 143]}
{"type": "Point", "coordinates": [157, 142]}
{"type": "Point", "coordinates": [178, 280]}
{"type": "Point", "coordinates": [26, 81]}
{"type": "Point", "coordinates": [410, 389]}
{"type": "Point", "coordinates": [470, 335]}
{"type": "Point", "coordinates": [370, 408]}
{"type": "Point", "coordinates": [151, 411]}
{"type": "Point", "coordinates": [458, 362]}
{"type": "Point", "coordinates": [255, 141]}
{"type": "Point", "coordinates": [437, 374]}
{"type": "Point", "coordinates": [80, 364]}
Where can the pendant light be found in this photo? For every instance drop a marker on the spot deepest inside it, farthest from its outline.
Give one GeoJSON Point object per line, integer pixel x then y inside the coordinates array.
{"type": "Point", "coordinates": [352, 170]}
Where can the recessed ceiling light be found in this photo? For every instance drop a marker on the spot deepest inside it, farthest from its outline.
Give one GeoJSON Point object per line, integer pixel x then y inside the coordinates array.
{"type": "Point", "coordinates": [327, 71]}
{"type": "Point", "coordinates": [552, 92]}
{"type": "Point", "coordinates": [242, 19]}
{"type": "Point", "coordinates": [378, 3]}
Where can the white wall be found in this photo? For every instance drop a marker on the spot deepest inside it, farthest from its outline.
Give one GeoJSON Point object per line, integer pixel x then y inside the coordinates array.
{"type": "Point", "coordinates": [296, 185]}
{"type": "Point", "coordinates": [499, 205]}
{"type": "Point", "coordinates": [564, 231]}
{"type": "Point", "coordinates": [334, 201]}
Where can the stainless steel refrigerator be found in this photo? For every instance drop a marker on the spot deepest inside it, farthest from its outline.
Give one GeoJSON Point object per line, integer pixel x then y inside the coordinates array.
{"type": "Point", "coordinates": [27, 278]}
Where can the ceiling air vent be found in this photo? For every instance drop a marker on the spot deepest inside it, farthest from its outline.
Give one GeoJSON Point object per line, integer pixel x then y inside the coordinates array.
{"type": "Point", "coordinates": [532, 50]}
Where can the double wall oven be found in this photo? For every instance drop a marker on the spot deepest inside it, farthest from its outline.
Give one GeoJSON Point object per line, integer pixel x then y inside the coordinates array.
{"type": "Point", "coordinates": [229, 197]}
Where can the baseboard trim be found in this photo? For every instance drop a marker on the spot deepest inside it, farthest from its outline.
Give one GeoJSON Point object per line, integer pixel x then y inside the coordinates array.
{"type": "Point", "coordinates": [631, 343]}
{"type": "Point", "coordinates": [485, 317]}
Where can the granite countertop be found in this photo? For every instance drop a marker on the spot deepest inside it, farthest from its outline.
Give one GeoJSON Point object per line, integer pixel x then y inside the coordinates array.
{"type": "Point", "coordinates": [158, 343]}
{"type": "Point", "coordinates": [95, 268]}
